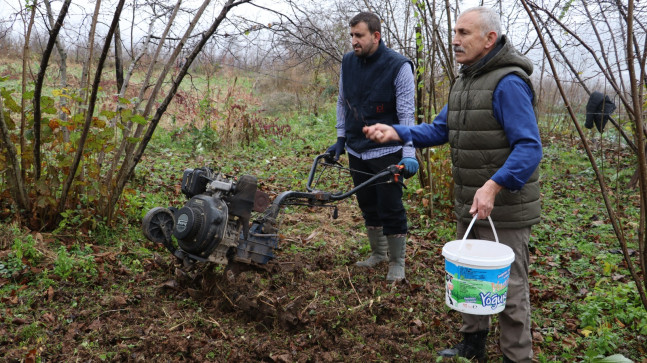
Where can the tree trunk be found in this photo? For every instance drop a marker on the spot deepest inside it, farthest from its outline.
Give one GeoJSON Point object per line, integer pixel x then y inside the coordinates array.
{"type": "Point", "coordinates": [23, 117]}
{"type": "Point", "coordinates": [119, 66]}
{"type": "Point", "coordinates": [85, 74]}
{"type": "Point", "coordinates": [637, 98]}
{"type": "Point", "coordinates": [39, 84]}
{"type": "Point", "coordinates": [17, 182]}
{"type": "Point", "coordinates": [62, 53]}
{"type": "Point", "coordinates": [91, 104]}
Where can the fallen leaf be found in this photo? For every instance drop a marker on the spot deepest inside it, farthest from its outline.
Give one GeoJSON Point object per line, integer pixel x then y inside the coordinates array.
{"type": "Point", "coordinates": [571, 324]}
{"type": "Point", "coordinates": [311, 236]}
{"type": "Point", "coordinates": [31, 356]}
{"type": "Point", "coordinates": [19, 321]}
{"type": "Point", "coordinates": [195, 294]}
{"type": "Point", "coordinates": [119, 301]}
{"type": "Point", "coordinates": [416, 322]}
{"type": "Point", "coordinates": [282, 358]}
{"type": "Point", "coordinates": [95, 325]}
{"type": "Point", "coordinates": [170, 284]}
{"type": "Point", "coordinates": [49, 318]}
{"type": "Point", "coordinates": [617, 277]}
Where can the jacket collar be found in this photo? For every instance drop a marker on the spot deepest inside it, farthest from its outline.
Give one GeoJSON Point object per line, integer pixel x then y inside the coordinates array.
{"type": "Point", "coordinates": [373, 57]}
{"type": "Point", "coordinates": [482, 63]}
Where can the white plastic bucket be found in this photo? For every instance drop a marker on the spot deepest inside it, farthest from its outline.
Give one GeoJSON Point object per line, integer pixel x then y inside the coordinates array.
{"type": "Point", "coordinates": [476, 274]}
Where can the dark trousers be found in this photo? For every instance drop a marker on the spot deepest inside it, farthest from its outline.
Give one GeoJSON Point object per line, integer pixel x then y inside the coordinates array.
{"type": "Point", "coordinates": [381, 203]}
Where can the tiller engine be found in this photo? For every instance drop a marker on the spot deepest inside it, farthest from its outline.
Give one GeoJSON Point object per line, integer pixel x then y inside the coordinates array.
{"type": "Point", "coordinates": [213, 225]}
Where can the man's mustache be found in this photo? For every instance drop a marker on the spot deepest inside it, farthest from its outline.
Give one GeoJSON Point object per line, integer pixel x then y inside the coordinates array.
{"type": "Point", "coordinates": [458, 49]}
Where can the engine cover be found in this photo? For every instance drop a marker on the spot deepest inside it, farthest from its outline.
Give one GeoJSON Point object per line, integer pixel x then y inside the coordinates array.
{"type": "Point", "coordinates": [200, 224]}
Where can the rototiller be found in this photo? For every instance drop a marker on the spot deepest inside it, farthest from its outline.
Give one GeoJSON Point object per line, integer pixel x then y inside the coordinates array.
{"type": "Point", "coordinates": [213, 225]}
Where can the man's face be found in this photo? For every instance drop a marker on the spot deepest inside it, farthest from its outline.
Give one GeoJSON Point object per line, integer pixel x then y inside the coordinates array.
{"type": "Point", "coordinates": [469, 43]}
{"type": "Point", "coordinates": [364, 42]}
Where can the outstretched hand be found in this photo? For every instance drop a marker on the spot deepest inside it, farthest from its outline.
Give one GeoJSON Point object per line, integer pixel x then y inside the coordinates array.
{"type": "Point", "coordinates": [381, 133]}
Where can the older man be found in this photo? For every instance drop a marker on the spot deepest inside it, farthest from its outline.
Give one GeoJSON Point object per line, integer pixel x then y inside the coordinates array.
{"type": "Point", "coordinates": [490, 124]}
{"type": "Point", "coordinates": [376, 85]}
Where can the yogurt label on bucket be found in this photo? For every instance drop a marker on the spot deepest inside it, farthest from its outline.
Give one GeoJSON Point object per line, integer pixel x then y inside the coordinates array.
{"type": "Point", "coordinates": [475, 290]}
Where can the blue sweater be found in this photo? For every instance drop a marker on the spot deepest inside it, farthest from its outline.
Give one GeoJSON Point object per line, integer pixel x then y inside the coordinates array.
{"type": "Point", "coordinates": [512, 104]}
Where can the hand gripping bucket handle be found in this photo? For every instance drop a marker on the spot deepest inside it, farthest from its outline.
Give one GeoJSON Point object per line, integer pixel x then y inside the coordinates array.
{"type": "Point", "coordinates": [496, 238]}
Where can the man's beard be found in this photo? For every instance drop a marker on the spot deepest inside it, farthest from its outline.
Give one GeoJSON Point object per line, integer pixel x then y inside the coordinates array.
{"type": "Point", "coordinates": [361, 52]}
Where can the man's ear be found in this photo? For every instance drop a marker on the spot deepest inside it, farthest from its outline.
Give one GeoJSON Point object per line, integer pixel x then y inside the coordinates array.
{"type": "Point", "coordinates": [377, 37]}
{"type": "Point", "coordinates": [491, 39]}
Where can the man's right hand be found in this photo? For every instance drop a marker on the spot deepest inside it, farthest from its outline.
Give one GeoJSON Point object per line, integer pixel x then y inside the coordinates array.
{"type": "Point", "coordinates": [381, 133]}
{"type": "Point", "coordinates": [337, 149]}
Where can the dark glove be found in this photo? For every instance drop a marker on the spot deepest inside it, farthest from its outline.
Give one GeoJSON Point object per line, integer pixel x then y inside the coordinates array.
{"type": "Point", "coordinates": [337, 149]}
{"type": "Point", "coordinates": [410, 167]}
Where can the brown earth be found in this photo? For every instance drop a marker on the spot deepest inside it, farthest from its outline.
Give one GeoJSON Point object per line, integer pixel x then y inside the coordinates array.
{"type": "Point", "coordinates": [309, 304]}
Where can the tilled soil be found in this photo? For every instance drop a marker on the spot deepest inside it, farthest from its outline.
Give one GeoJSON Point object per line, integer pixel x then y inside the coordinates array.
{"type": "Point", "coordinates": [310, 304]}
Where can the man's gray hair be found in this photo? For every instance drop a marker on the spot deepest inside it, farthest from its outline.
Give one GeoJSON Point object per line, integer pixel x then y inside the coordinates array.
{"type": "Point", "coordinates": [489, 19]}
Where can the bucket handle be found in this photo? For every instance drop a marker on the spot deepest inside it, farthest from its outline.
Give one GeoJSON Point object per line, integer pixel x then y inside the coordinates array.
{"type": "Point", "coordinates": [470, 227]}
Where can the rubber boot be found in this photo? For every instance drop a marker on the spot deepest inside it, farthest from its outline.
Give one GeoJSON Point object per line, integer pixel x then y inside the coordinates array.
{"type": "Point", "coordinates": [377, 240]}
{"type": "Point", "coordinates": [397, 252]}
{"type": "Point", "coordinates": [472, 347]}
{"type": "Point", "coordinates": [507, 360]}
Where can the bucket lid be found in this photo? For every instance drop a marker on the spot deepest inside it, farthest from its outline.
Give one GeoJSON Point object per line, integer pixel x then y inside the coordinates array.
{"type": "Point", "coordinates": [479, 252]}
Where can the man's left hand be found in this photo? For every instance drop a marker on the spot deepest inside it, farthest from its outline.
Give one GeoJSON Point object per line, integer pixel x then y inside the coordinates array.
{"type": "Point", "coordinates": [410, 167]}
{"type": "Point", "coordinates": [484, 199]}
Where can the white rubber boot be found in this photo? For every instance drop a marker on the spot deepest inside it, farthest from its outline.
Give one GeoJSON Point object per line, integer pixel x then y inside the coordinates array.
{"type": "Point", "coordinates": [377, 240]}
{"type": "Point", "coordinates": [397, 252]}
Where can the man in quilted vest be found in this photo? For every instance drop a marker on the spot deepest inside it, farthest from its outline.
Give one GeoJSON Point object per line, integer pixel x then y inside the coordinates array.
{"type": "Point", "coordinates": [376, 86]}
{"type": "Point", "coordinates": [491, 126]}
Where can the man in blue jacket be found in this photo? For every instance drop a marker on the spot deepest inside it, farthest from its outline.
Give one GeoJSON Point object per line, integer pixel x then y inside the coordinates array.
{"type": "Point", "coordinates": [376, 85]}
{"type": "Point", "coordinates": [490, 124]}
